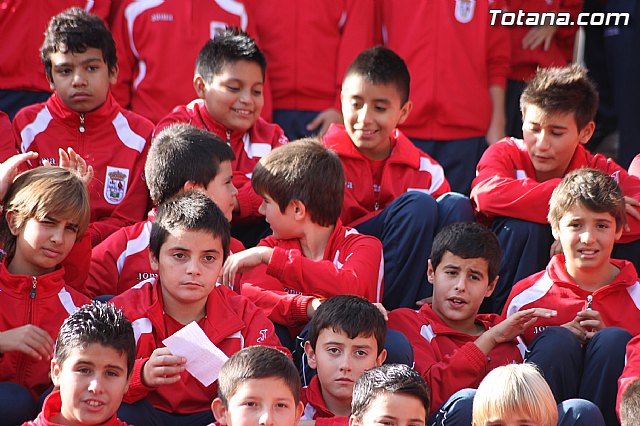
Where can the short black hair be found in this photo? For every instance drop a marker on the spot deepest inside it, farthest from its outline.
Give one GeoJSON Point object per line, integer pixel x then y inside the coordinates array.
{"type": "Point", "coordinates": [231, 45]}
{"type": "Point", "coordinates": [100, 323]}
{"type": "Point", "coordinates": [257, 362]}
{"type": "Point", "coordinates": [190, 211]}
{"type": "Point", "coordinates": [388, 378]}
{"type": "Point", "coordinates": [353, 315]}
{"type": "Point", "coordinates": [181, 153]}
{"type": "Point", "coordinates": [74, 30]}
{"type": "Point", "coordinates": [468, 240]}
{"type": "Point", "coordinates": [381, 65]}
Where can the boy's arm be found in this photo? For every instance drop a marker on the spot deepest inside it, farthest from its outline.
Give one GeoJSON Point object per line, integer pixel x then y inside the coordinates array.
{"type": "Point", "coordinates": [122, 89]}
{"type": "Point", "coordinates": [498, 63]}
{"type": "Point", "coordinates": [258, 329]}
{"type": "Point", "coordinates": [103, 270]}
{"type": "Point", "coordinates": [497, 192]}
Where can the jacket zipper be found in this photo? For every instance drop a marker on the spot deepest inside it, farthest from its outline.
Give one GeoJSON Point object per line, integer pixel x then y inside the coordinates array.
{"type": "Point", "coordinates": [81, 122]}
{"type": "Point", "coordinates": [22, 363]}
{"type": "Point", "coordinates": [228, 137]}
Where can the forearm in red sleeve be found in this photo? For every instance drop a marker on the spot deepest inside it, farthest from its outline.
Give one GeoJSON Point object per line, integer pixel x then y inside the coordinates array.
{"type": "Point", "coordinates": [248, 200]}
{"type": "Point", "coordinates": [121, 90]}
{"type": "Point", "coordinates": [498, 51]}
{"type": "Point", "coordinates": [76, 265]}
{"type": "Point", "coordinates": [103, 270]}
{"type": "Point", "coordinates": [137, 390]}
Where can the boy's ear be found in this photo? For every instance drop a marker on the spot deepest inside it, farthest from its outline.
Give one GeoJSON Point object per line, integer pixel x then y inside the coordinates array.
{"type": "Point", "coordinates": [380, 358]}
{"type": "Point", "coordinates": [353, 421]}
{"type": "Point", "coordinates": [55, 372]}
{"type": "Point", "coordinates": [299, 209]}
{"type": "Point", "coordinates": [219, 411]}
{"type": "Point", "coordinates": [405, 111]}
{"type": "Point", "coordinates": [188, 185]}
{"type": "Point", "coordinates": [430, 272]}
{"type": "Point", "coordinates": [199, 85]}
{"type": "Point", "coordinates": [155, 265]}
{"type": "Point", "coordinates": [299, 411]}
{"type": "Point", "coordinates": [311, 355]}
{"type": "Point", "coordinates": [113, 75]}
{"type": "Point", "coordinates": [555, 232]}
{"type": "Point", "coordinates": [586, 132]}
{"type": "Point", "coordinates": [9, 217]}
{"type": "Point", "coordinates": [491, 286]}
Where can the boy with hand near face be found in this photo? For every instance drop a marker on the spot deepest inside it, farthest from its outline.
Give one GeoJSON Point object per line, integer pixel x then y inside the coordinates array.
{"type": "Point", "coordinates": [93, 360]}
{"type": "Point", "coordinates": [268, 379]}
{"type": "Point", "coordinates": [229, 81]}
{"type": "Point", "coordinates": [454, 347]}
{"type": "Point", "coordinates": [391, 187]}
{"type": "Point", "coordinates": [581, 351]}
{"type": "Point", "coordinates": [79, 58]}
{"type": "Point", "coordinates": [188, 245]}
{"type": "Point", "coordinates": [515, 178]}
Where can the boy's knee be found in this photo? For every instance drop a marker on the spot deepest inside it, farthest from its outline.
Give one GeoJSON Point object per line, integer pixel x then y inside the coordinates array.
{"type": "Point", "coordinates": [555, 343]}
{"type": "Point", "coordinates": [457, 410]}
{"type": "Point", "coordinates": [579, 412]}
{"type": "Point", "coordinates": [455, 207]}
{"type": "Point", "coordinates": [519, 227]}
{"type": "Point", "coordinates": [416, 199]}
{"type": "Point", "coordinates": [610, 339]}
{"type": "Point", "coordinates": [399, 350]}
{"type": "Point", "coordinates": [16, 404]}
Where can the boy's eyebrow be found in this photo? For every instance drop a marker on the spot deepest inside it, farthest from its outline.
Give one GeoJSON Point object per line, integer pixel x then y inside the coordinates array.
{"type": "Point", "coordinates": [477, 271]}
{"type": "Point", "coordinates": [85, 61]}
{"type": "Point", "coordinates": [88, 362]}
{"type": "Point", "coordinates": [379, 100]}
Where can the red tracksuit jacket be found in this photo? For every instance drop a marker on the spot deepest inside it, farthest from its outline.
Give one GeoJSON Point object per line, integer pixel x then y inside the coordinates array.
{"type": "Point", "coordinates": [111, 139]}
{"type": "Point", "coordinates": [44, 301]}
{"type": "Point", "coordinates": [505, 184]}
{"type": "Point", "coordinates": [406, 169]}
{"type": "Point", "coordinates": [618, 302]}
{"type": "Point", "coordinates": [352, 264]}
{"type": "Point", "coordinates": [232, 322]}
{"type": "Point", "coordinates": [7, 141]}
{"type": "Point", "coordinates": [524, 62]}
{"type": "Point", "coordinates": [311, 47]}
{"type": "Point", "coordinates": [22, 26]}
{"type": "Point", "coordinates": [248, 146]}
{"type": "Point", "coordinates": [447, 359]}
{"type": "Point", "coordinates": [122, 260]}
{"type": "Point", "coordinates": [454, 55]}
{"type": "Point", "coordinates": [631, 371]}
{"type": "Point", "coordinates": [51, 408]}
{"type": "Point", "coordinates": [316, 409]}
{"type": "Point", "coordinates": [145, 32]}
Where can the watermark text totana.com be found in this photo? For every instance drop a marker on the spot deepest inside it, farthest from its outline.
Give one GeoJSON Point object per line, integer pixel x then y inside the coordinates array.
{"type": "Point", "coordinates": [500, 17]}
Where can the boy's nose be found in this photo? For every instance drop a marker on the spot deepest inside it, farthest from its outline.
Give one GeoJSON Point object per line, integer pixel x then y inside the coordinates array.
{"type": "Point", "coordinates": [193, 266]}
{"type": "Point", "coordinates": [364, 115]}
{"type": "Point", "coordinates": [95, 386]}
{"type": "Point", "coordinates": [79, 80]}
{"type": "Point", "coordinates": [543, 141]}
{"type": "Point", "coordinates": [587, 236]}
{"type": "Point", "coordinates": [56, 234]}
{"type": "Point", "coordinates": [267, 417]}
{"type": "Point", "coordinates": [461, 285]}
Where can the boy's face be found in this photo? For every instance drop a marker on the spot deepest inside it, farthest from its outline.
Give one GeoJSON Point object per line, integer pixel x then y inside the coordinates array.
{"type": "Point", "coordinates": [393, 408]}
{"type": "Point", "coordinates": [459, 287]}
{"type": "Point", "coordinates": [221, 190]}
{"type": "Point", "coordinates": [81, 79]}
{"type": "Point", "coordinates": [266, 401]}
{"type": "Point", "coordinates": [234, 96]}
{"type": "Point", "coordinates": [371, 112]}
{"type": "Point", "coordinates": [188, 266]}
{"type": "Point", "coordinates": [551, 140]}
{"type": "Point", "coordinates": [284, 225]}
{"type": "Point", "coordinates": [587, 239]}
{"type": "Point", "coordinates": [92, 383]}
{"type": "Point", "coordinates": [41, 245]}
{"type": "Point", "coordinates": [340, 361]}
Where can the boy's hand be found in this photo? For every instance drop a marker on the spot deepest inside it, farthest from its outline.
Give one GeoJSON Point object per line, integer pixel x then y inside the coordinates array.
{"type": "Point", "coordinates": [28, 339]}
{"type": "Point", "coordinates": [312, 307]}
{"type": "Point", "coordinates": [9, 169]}
{"type": "Point", "coordinates": [425, 301]}
{"type": "Point", "coordinates": [590, 321]}
{"type": "Point", "coordinates": [237, 263]}
{"type": "Point", "coordinates": [72, 161]}
{"type": "Point", "coordinates": [540, 35]}
{"type": "Point", "coordinates": [324, 120]}
{"type": "Point", "coordinates": [631, 206]}
{"type": "Point", "coordinates": [511, 327]}
{"type": "Point", "coordinates": [162, 368]}
{"type": "Point", "coordinates": [579, 331]}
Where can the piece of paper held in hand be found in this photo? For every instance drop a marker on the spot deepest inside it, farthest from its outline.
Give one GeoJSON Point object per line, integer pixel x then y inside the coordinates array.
{"type": "Point", "coordinates": [204, 359]}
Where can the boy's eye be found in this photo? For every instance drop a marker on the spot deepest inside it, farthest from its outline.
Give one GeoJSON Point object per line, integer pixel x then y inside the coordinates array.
{"type": "Point", "coordinates": [356, 105]}
{"type": "Point", "coordinates": [179, 256]}
{"type": "Point", "coordinates": [451, 273]}
{"type": "Point", "coordinates": [257, 92]}
{"type": "Point", "coordinates": [84, 370]}
{"type": "Point", "coordinates": [602, 226]}
{"type": "Point", "coordinates": [111, 373]}
{"type": "Point", "coordinates": [282, 405]}
{"type": "Point", "coordinates": [232, 88]}
{"type": "Point", "coordinates": [380, 108]}
{"type": "Point", "coordinates": [361, 353]}
{"type": "Point", "coordinates": [334, 351]}
{"type": "Point", "coordinates": [72, 228]}
{"type": "Point", "coordinates": [209, 258]}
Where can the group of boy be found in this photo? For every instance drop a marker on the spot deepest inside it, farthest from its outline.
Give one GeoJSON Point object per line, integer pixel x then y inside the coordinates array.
{"type": "Point", "coordinates": [322, 246]}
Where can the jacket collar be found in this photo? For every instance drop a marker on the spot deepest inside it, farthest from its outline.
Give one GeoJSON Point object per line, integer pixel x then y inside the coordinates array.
{"type": "Point", "coordinates": [22, 285]}
{"type": "Point", "coordinates": [105, 112]}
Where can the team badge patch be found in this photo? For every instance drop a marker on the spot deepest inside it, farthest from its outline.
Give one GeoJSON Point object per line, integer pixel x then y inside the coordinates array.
{"type": "Point", "coordinates": [464, 10]}
{"type": "Point", "coordinates": [115, 184]}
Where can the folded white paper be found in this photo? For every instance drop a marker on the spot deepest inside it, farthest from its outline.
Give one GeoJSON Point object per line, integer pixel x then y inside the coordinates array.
{"type": "Point", "coordinates": [204, 359]}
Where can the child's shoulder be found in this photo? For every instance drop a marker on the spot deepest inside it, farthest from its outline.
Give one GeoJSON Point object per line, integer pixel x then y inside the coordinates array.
{"type": "Point", "coordinates": [264, 131]}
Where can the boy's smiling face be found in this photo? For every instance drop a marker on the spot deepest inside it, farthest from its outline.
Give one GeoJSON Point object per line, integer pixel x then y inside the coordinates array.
{"type": "Point", "coordinates": [81, 80]}
{"type": "Point", "coordinates": [92, 382]}
{"type": "Point", "coordinates": [551, 140]}
{"type": "Point", "coordinates": [371, 112]}
{"type": "Point", "coordinates": [234, 96]}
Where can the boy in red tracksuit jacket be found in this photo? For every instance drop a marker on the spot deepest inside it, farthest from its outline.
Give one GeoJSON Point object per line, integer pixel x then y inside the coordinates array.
{"type": "Point", "coordinates": [189, 243]}
{"type": "Point", "coordinates": [310, 256]}
{"type": "Point", "coordinates": [346, 338]}
{"type": "Point", "coordinates": [229, 81]}
{"type": "Point", "coordinates": [454, 347]}
{"type": "Point", "coordinates": [515, 178]}
{"type": "Point", "coordinates": [94, 356]}
{"type": "Point", "coordinates": [534, 47]}
{"type": "Point", "coordinates": [181, 158]}
{"type": "Point", "coordinates": [458, 63]}
{"type": "Point", "coordinates": [45, 211]}
{"type": "Point", "coordinates": [83, 115]}
{"type": "Point", "coordinates": [595, 297]}
{"type": "Point", "coordinates": [391, 186]}
{"type": "Point", "coordinates": [630, 375]}
{"type": "Point", "coordinates": [145, 32]}
{"type": "Point", "coordinates": [308, 52]}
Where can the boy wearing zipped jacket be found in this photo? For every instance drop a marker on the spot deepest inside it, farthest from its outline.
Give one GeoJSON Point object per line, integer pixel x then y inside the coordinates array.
{"type": "Point", "coordinates": [581, 351]}
{"type": "Point", "coordinates": [80, 62]}
{"type": "Point", "coordinates": [44, 212]}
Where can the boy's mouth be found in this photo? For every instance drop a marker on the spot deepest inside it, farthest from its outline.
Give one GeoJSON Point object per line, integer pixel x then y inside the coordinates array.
{"type": "Point", "coordinates": [243, 112]}
{"type": "Point", "coordinates": [456, 301]}
{"type": "Point", "coordinates": [94, 403]}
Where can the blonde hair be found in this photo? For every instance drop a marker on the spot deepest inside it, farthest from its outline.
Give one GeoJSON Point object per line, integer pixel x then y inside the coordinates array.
{"type": "Point", "coordinates": [43, 191]}
{"type": "Point", "coordinates": [514, 389]}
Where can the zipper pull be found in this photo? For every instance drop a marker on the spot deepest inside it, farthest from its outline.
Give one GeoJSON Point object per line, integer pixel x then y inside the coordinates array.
{"type": "Point", "coordinates": [589, 300]}
{"type": "Point", "coordinates": [81, 122]}
{"type": "Point", "coordinates": [376, 206]}
{"type": "Point", "coordinates": [228, 137]}
{"type": "Point", "coordinates": [33, 288]}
